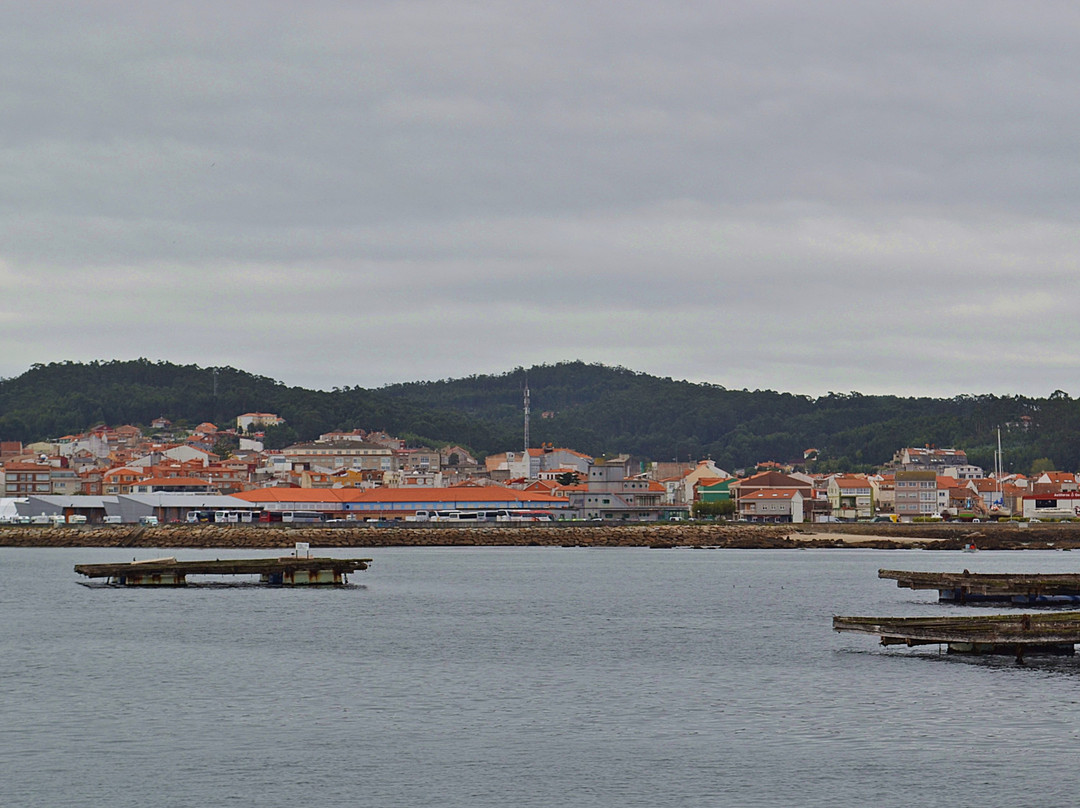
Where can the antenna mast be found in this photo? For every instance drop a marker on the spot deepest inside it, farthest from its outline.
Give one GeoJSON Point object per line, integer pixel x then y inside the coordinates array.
{"type": "Point", "coordinates": [526, 413]}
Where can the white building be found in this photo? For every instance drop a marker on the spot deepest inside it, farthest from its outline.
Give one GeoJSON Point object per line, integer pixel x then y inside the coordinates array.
{"type": "Point", "coordinates": [257, 419]}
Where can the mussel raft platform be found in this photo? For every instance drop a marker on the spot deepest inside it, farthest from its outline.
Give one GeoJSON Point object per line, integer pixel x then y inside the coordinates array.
{"type": "Point", "coordinates": [1024, 589]}
{"type": "Point", "coordinates": [1051, 633]}
{"type": "Point", "coordinates": [287, 571]}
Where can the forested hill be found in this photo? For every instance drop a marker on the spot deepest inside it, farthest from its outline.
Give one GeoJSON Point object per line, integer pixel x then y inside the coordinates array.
{"type": "Point", "coordinates": [605, 409]}
{"type": "Point", "coordinates": [52, 400]}
{"type": "Point", "coordinates": [592, 408]}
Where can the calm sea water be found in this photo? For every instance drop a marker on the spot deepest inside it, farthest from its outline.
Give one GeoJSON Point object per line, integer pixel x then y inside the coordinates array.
{"type": "Point", "coordinates": [520, 677]}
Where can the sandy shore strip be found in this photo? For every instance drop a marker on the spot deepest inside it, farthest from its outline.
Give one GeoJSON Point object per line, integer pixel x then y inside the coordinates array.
{"type": "Point", "coordinates": [860, 538]}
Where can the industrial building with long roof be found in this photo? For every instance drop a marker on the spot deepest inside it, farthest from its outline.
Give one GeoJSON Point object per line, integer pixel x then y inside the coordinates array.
{"type": "Point", "coordinates": [399, 502]}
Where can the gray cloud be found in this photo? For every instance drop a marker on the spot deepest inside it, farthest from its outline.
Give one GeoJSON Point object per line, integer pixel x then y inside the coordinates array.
{"type": "Point", "coordinates": [753, 194]}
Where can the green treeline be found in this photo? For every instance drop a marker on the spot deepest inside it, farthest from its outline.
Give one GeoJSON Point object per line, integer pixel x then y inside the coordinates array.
{"type": "Point", "coordinates": [592, 408]}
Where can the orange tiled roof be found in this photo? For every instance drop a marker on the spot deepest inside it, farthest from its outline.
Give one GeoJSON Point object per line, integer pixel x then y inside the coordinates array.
{"type": "Point", "coordinates": [172, 481]}
{"type": "Point", "coordinates": [412, 494]}
{"type": "Point", "coordinates": [771, 493]}
{"type": "Point", "coordinates": [1060, 476]}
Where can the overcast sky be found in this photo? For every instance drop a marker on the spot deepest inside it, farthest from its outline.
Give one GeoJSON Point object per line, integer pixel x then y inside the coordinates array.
{"type": "Point", "coordinates": [808, 197]}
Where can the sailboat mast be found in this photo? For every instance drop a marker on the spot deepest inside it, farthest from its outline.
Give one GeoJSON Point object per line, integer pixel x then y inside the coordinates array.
{"type": "Point", "coordinates": [998, 464]}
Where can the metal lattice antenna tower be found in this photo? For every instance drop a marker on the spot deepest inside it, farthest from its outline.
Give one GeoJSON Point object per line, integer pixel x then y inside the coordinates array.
{"type": "Point", "coordinates": [526, 413]}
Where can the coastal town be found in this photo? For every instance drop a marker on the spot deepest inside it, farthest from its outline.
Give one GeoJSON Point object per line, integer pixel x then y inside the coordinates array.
{"type": "Point", "coordinates": [165, 472]}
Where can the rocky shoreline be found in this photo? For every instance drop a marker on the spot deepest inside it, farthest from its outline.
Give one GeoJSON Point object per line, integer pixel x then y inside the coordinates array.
{"type": "Point", "coordinates": [879, 536]}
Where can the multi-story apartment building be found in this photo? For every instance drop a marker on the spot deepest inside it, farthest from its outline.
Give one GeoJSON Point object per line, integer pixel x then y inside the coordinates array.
{"type": "Point", "coordinates": [421, 459]}
{"type": "Point", "coordinates": [65, 482]}
{"type": "Point", "coordinates": [27, 479]}
{"type": "Point", "coordinates": [338, 454]}
{"type": "Point", "coordinates": [916, 494]}
{"type": "Point", "coordinates": [609, 494]}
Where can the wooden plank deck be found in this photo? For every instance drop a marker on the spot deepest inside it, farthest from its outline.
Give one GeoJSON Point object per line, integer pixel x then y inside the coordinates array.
{"type": "Point", "coordinates": [1054, 632]}
{"type": "Point", "coordinates": [964, 587]}
{"type": "Point", "coordinates": [170, 572]}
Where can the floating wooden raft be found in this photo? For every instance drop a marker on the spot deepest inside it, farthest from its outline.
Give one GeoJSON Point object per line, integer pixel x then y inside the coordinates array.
{"type": "Point", "coordinates": [967, 587]}
{"type": "Point", "coordinates": [1052, 632]}
{"type": "Point", "coordinates": [287, 571]}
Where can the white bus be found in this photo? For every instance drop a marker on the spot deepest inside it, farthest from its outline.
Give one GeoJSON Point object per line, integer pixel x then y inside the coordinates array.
{"type": "Point", "coordinates": [302, 516]}
{"type": "Point", "coordinates": [517, 515]}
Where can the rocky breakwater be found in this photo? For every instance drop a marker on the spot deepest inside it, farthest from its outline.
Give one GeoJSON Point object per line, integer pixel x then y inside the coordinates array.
{"type": "Point", "coordinates": [882, 536]}
{"type": "Point", "coordinates": [263, 537]}
{"type": "Point", "coordinates": [956, 535]}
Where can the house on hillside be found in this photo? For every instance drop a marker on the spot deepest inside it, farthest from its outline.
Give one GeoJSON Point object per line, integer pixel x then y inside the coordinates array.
{"type": "Point", "coordinates": [703, 470]}
{"type": "Point", "coordinates": [259, 420]}
{"type": "Point", "coordinates": [771, 505]}
{"type": "Point", "coordinates": [929, 458]}
{"type": "Point", "coordinates": [772, 480]}
{"type": "Point", "coordinates": [1055, 482]}
{"type": "Point", "coordinates": [884, 491]}
{"type": "Point", "coordinates": [528, 465]}
{"type": "Point", "coordinates": [456, 457]}
{"type": "Point", "coordinates": [851, 497]}
{"type": "Point", "coordinates": [714, 490]}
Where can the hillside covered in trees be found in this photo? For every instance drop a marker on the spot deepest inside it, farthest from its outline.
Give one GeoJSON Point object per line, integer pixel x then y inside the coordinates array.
{"type": "Point", "coordinates": [592, 408]}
